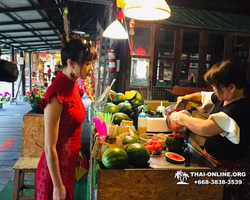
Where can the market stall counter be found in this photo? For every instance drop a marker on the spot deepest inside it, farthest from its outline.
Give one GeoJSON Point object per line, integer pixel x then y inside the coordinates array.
{"type": "Point", "coordinates": [162, 180]}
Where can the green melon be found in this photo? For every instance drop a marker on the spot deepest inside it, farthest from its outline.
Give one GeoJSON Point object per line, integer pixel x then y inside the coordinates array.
{"type": "Point", "coordinates": [138, 155]}
{"type": "Point", "coordinates": [118, 117]}
{"type": "Point", "coordinates": [174, 158]}
{"type": "Point", "coordinates": [129, 140]}
{"type": "Point", "coordinates": [137, 102]}
{"type": "Point", "coordinates": [118, 98]}
{"type": "Point", "coordinates": [115, 158]}
{"type": "Point", "coordinates": [120, 104]}
{"type": "Point", "coordinates": [111, 109]}
{"type": "Point", "coordinates": [126, 108]}
{"type": "Point", "coordinates": [109, 103]}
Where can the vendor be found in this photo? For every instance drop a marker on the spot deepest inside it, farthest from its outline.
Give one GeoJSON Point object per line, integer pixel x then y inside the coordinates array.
{"type": "Point", "coordinates": [227, 128]}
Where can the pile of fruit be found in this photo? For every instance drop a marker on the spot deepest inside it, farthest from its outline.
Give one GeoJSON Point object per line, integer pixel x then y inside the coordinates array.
{"type": "Point", "coordinates": [135, 155]}
{"type": "Point", "coordinates": [154, 146]}
{"type": "Point", "coordinates": [119, 105]}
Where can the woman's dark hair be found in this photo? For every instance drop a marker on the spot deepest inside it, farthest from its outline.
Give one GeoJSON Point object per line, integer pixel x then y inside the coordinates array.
{"type": "Point", "coordinates": [77, 51]}
{"type": "Point", "coordinates": [224, 73]}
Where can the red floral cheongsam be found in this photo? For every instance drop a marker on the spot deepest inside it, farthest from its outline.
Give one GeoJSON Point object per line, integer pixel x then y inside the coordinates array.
{"type": "Point", "coordinates": [68, 145]}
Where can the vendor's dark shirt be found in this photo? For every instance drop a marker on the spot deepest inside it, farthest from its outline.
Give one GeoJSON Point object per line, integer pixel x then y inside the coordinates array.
{"type": "Point", "coordinates": [221, 147]}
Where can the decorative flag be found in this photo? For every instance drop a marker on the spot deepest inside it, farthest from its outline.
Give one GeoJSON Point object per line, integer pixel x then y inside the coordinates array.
{"type": "Point", "coordinates": [121, 15]}
{"type": "Point", "coordinates": [131, 46]}
{"type": "Point", "coordinates": [121, 3]}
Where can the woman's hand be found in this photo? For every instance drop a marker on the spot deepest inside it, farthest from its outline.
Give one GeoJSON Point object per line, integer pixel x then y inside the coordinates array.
{"type": "Point", "coordinates": [79, 162]}
{"type": "Point", "coordinates": [59, 193]}
{"type": "Point", "coordinates": [182, 102]}
{"type": "Point", "coordinates": [175, 116]}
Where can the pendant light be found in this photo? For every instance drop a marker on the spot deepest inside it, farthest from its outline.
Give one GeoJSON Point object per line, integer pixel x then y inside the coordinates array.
{"type": "Point", "coordinates": [147, 9]}
{"type": "Point", "coordinates": [116, 31]}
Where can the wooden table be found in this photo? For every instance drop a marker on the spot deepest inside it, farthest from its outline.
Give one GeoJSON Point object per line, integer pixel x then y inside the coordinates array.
{"type": "Point", "coordinates": [33, 135]}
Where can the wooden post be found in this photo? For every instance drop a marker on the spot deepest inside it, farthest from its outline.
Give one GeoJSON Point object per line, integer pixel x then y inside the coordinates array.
{"type": "Point", "coordinates": [202, 58]}
{"type": "Point", "coordinates": [12, 59]}
{"type": "Point", "coordinates": [22, 68]}
{"type": "Point", "coordinates": [30, 76]}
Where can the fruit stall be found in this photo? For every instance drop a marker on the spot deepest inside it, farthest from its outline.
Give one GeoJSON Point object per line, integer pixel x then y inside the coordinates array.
{"type": "Point", "coordinates": [127, 163]}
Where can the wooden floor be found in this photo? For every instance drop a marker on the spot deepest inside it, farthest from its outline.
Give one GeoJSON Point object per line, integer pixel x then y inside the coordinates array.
{"type": "Point", "coordinates": [10, 138]}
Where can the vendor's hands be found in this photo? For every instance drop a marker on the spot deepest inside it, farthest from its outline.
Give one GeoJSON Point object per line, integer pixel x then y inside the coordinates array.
{"type": "Point", "coordinates": [175, 116]}
{"type": "Point", "coordinates": [79, 161]}
{"type": "Point", "coordinates": [182, 102]}
{"type": "Point", "coordinates": [59, 193]}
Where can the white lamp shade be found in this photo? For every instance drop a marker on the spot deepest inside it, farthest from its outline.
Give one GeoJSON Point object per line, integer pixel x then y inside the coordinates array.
{"type": "Point", "coordinates": [116, 31]}
{"type": "Point", "coordinates": [147, 9]}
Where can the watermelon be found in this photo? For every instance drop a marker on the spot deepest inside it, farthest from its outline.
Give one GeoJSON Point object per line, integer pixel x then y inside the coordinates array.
{"type": "Point", "coordinates": [118, 117]}
{"type": "Point", "coordinates": [126, 108]}
{"type": "Point", "coordinates": [154, 145]}
{"type": "Point", "coordinates": [138, 155]}
{"type": "Point", "coordinates": [174, 142]}
{"type": "Point", "coordinates": [111, 95]}
{"type": "Point", "coordinates": [115, 158]}
{"type": "Point", "coordinates": [174, 158]}
{"type": "Point", "coordinates": [118, 98]}
{"type": "Point", "coordinates": [129, 140]}
{"type": "Point", "coordinates": [111, 109]}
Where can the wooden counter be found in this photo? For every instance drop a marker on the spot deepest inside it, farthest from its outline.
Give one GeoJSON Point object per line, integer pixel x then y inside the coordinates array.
{"type": "Point", "coordinates": [33, 135]}
{"type": "Point", "coordinates": [155, 184]}
{"type": "Point", "coordinates": [160, 181]}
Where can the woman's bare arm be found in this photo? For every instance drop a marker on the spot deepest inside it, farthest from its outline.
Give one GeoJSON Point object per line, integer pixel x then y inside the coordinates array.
{"type": "Point", "coordinates": [52, 115]}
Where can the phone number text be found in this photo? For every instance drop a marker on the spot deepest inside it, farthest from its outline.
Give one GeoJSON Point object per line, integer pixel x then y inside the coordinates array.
{"type": "Point", "coordinates": [218, 182]}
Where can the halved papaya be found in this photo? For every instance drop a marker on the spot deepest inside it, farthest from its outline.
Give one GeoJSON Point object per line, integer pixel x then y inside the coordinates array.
{"type": "Point", "coordinates": [174, 158]}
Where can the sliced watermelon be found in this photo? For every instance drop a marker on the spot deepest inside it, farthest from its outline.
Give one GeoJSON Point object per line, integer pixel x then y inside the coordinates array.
{"type": "Point", "coordinates": [174, 158]}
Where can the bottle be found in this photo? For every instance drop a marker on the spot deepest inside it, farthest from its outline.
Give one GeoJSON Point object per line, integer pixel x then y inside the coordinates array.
{"type": "Point", "coordinates": [161, 109]}
{"type": "Point", "coordinates": [142, 122]}
{"type": "Point", "coordinates": [187, 156]}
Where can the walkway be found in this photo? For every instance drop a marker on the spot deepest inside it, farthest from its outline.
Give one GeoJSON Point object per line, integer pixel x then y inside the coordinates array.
{"type": "Point", "coordinates": [10, 138]}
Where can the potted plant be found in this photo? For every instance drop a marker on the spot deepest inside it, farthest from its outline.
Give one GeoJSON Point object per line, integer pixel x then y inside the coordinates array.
{"type": "Point", "coordinates": [34, 97]}
{"type": "Point", "coordinates": [7, 96]}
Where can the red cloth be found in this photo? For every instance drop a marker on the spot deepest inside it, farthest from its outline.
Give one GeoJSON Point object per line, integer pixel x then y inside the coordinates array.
{"type": "Point", "coordinates": [69, 138]}
{"type": "Point", "coordinates": [49, 70]}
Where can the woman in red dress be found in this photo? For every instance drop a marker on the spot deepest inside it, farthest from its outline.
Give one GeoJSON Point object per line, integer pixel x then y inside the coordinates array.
{"type": "Point", "coordinates": [63, 116]}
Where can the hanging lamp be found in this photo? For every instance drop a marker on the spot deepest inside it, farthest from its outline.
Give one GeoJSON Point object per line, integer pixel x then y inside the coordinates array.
{"type": "Point", "coordinates": [147, 9]}
{"type": "Point", "coordinates": [116, 31]}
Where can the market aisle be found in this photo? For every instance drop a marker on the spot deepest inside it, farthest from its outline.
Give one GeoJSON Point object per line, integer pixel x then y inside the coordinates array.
{"type": "Point", "coordinates": [10, 138]}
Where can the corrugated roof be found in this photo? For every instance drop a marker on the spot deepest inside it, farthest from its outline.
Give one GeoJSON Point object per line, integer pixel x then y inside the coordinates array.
{"type": "Point", "coordinates": [14, 14]}
{"type": "Point", "coordinates": [203, 19]}
{"type": "Point", "coordinates": [15, 3]}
